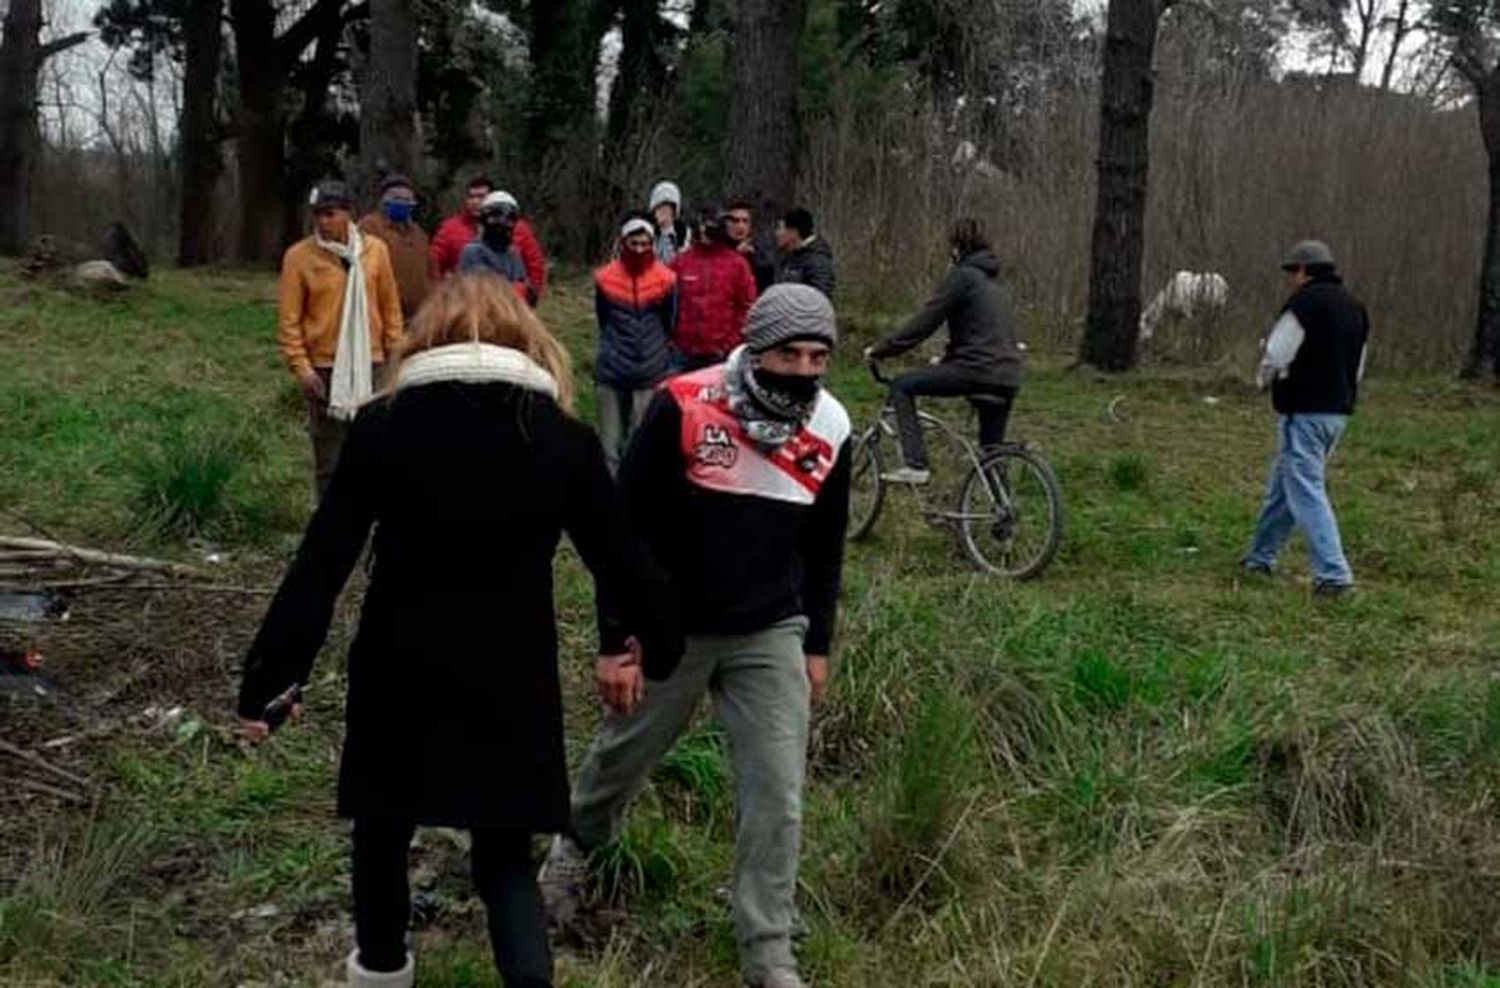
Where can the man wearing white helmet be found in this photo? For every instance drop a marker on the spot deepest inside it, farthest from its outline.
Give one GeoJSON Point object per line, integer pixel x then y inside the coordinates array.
{"type": "Point", "coordinates": [665, 207]}
{"type": "Point", "coordinates": [495, 248]}
{"type": "Point", "coordinates": [455, 232]}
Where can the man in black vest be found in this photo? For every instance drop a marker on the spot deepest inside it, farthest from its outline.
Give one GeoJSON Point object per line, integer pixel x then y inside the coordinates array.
{"type": "Point", "coordinates": [1313, 363]}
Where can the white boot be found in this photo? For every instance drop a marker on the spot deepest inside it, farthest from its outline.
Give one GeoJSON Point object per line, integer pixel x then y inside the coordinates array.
{"type": "Point", "coordinates": [360, 978]}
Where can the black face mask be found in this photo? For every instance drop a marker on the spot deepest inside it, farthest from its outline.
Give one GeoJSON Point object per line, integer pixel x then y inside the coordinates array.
{"type": "Point", "coordinates": [799, 388]}
{"type": "Point", "coordinates": [497, 233]}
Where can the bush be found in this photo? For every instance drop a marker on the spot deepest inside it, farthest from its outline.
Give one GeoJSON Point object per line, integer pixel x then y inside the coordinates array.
{"type": "Point", "coordinates": [644, 860]}
{"type": "Point", "coordinates": [1129, 472]}
{"type": "Point", "coordinates": [934, 776]}
{"type": "Point", "coordinates": [183, 486]}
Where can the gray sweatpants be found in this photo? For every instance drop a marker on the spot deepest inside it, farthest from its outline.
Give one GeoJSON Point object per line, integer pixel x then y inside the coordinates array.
{"type": "Point", "coordinates": [760, 693]}
{"type": "Point", "coordinates": [620, 413]}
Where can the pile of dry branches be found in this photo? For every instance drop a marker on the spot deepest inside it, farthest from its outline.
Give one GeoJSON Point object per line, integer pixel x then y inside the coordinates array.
{"type": "Point", "coordinates": [43, 564]}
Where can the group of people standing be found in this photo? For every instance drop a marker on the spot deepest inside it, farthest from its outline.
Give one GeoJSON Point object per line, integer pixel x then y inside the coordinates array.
{"type": "Point", "coordinates": [711, 517]}
{"type": "Point", "coordinates": [716, 552]}
{"type": "Point", "coordinates": [676, 296]}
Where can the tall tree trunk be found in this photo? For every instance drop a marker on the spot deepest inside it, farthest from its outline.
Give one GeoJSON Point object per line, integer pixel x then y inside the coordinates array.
{"type": "Point", "coordinates": [203, 51]}
{"type": "Point", "coordinates": [1109, 339]}
{"type": "Point", "coordinates": [388, 104]}
{"type": "Point", "coordinates": [1486, 345]}
{"type": "Point", "coordinates": [260, 123]}
{"type": "Point", "coordinates": [310, 157]}
{"type": "Point", "coordinates": [270, 202]}
{"type": "Point", "coordinates": [641, 73]}
{"type": "Point", "coordinates": [21, 57]}
{"type": "Point", "coordinates": [565, 37]}
{"type": "Point", "coordinates": [561, 134]}
{"type": "Point", "coordinates": [764, 71]}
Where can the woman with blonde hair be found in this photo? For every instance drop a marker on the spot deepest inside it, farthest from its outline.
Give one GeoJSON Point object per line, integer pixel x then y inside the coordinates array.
{"type": "Point", "coordinates": [469, 468]}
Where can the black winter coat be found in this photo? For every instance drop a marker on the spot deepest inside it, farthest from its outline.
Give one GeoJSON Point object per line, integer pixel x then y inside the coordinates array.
{"type": "Point", "coordinates": [454, 712]}
{"type": "Point", "coordinates": [810, 264]}
{"type": "Point", "coordinates": [976, 305]}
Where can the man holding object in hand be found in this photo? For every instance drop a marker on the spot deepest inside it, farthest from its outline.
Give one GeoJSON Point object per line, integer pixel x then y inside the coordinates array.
{"type": "Point", "coordinates": [738, 481]}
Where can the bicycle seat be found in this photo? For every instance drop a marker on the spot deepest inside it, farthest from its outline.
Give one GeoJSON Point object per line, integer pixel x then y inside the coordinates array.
{"type": "Point", "coordinates": [987, 401]}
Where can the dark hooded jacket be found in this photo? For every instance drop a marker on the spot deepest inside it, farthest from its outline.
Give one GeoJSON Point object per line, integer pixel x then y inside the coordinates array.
{"type": "Point", "coordinates": [976, 305]}
{"type": "Point", "coordinates": [810, 264]}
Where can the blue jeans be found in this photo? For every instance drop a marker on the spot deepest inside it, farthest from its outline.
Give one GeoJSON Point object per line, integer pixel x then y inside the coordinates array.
{"type": "Point", "coordinates": [1296, 497]}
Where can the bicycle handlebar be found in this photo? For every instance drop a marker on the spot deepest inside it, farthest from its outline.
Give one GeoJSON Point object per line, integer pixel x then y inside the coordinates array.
{"type": "Point", "coordinates": [874, 367]}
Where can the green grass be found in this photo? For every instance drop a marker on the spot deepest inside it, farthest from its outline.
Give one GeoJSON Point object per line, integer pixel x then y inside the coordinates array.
{"type": "Point", "coordinates": [1138, 770]}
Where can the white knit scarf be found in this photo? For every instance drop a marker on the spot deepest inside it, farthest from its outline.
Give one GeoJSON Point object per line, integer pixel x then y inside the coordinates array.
{"type": "Point", "coordinates": [475, 363]}
{"type": "Point", "coordinates": [351, 385]}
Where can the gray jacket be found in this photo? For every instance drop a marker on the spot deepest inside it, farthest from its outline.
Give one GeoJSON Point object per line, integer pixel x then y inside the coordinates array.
{"type": "Point", "coordinates": [976, 305]}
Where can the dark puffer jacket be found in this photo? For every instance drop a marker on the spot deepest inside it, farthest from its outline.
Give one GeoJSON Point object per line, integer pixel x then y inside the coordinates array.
{"type": "Point", "coordinates": [810, 264]}
{"type": "Point", "coordinates": [636, 306]}
{"type": "Point", "coordinates": [976, 305]}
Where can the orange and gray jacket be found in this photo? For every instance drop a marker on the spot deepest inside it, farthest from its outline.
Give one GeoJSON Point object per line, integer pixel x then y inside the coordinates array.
{"type": "Point", "coordinates": [637, 311]}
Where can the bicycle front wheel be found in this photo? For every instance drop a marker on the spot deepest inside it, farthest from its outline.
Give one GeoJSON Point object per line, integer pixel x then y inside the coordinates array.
{"type": "Point", "coordinates": [1010, 513]}
{"type": "Point", "coordinates": [866, 488]}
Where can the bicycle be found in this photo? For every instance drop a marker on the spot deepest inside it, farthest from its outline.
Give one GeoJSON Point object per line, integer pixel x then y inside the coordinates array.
{"type": "Point", "coordinates": [1006, 511]}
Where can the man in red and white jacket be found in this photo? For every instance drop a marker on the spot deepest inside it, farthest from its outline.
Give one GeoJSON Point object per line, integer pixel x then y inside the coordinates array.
{"type": "Point", "coordinates": [455, 232]}
{"type": "Point", "coordinates": [715, 289]}
{"type": "Point", "coordinates": [738, 482]}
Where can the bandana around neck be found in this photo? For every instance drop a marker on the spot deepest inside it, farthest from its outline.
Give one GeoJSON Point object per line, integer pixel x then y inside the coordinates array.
{"type": "Point", "coordinates": [768, 418]}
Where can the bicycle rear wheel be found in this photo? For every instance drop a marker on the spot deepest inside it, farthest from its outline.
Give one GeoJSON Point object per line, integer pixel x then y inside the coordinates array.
{"type": "Point", "coordinates": [1010, 513]}
{"type": "Point", "coordinates": [866, 488]}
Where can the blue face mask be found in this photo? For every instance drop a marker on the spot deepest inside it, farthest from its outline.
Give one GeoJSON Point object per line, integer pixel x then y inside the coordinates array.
{"type": "Point", "coordinates": [399, 212]}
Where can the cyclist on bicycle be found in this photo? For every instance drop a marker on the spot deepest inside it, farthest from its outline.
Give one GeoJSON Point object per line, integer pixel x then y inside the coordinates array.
{"type": "Point", "coordinates": [982, 361]}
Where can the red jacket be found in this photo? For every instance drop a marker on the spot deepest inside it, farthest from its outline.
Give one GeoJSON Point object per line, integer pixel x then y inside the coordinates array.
{"type": "Point", "coordinates": [715, 289]}
{"type": "Point", "coordinates": [457, 230]}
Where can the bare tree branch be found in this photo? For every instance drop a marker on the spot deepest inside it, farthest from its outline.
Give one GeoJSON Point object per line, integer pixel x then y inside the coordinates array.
{"type": "Point", "coordinates": [63, 44]}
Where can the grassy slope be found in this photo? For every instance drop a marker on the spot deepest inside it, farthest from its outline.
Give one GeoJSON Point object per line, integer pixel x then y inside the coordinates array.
{"type": "Point", "coordinates": [1135, 771]}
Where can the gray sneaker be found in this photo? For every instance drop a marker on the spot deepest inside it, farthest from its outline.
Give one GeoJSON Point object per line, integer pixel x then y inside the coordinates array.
{"type": "Point", "coordinates": [907, 475]}
{"type": "Point", "coordinates": [561, 880]}
{"type": "Point", "coordinates": [781, 977]}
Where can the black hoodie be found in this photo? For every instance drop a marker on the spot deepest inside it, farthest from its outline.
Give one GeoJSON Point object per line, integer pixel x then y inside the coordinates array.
{"type": "Point", "coordinates": [975, 303]}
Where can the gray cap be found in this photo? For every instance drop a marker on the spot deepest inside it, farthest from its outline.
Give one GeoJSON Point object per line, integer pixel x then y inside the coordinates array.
{"type": "Point", "coordinates": [1308, 252]}
{"type": "Point", "coordinates": [331, 194]}
{"type": "Point", "coordinates": [788, 313]}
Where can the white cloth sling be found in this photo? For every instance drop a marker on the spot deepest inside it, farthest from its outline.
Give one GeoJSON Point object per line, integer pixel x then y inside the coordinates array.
{"type": "Point", "coordinates": [351, 385]}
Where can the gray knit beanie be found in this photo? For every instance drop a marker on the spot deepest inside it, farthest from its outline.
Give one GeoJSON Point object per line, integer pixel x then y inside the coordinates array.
{"type": "Point", "coordinates": [789, 313]}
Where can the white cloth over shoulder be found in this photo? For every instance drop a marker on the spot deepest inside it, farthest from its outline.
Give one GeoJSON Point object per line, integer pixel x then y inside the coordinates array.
{"type": "Point", "coordinates": [351, 384]}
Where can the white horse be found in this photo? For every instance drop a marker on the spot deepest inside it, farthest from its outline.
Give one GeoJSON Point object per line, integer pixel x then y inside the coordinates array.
{"type": "Point", "coordinates": [1185, 294]}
